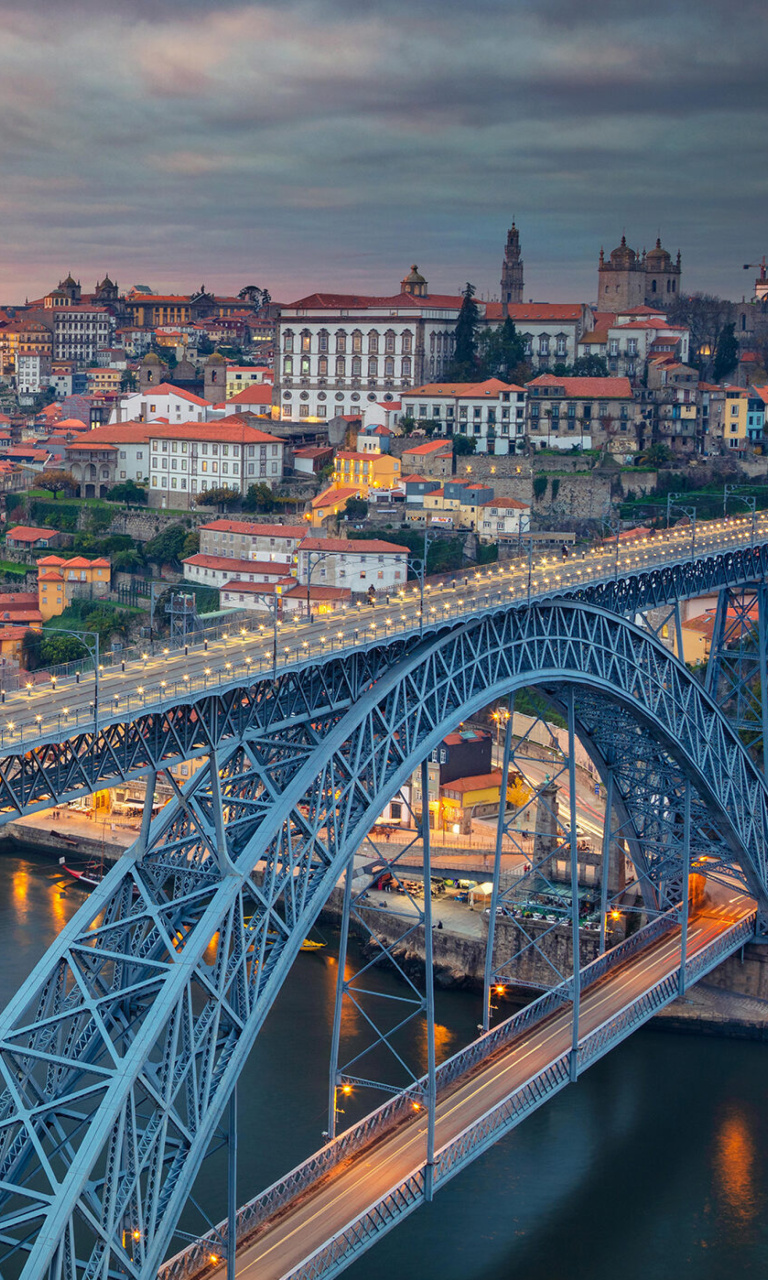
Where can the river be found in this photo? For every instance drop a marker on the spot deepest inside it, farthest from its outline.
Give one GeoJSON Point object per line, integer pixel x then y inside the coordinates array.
{"type": "Point", "coordinates": [655, 1165]}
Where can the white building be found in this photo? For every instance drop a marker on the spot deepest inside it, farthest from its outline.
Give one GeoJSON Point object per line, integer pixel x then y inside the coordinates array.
{"type": "Point", "coordinates": [162, 401]}
{"type": "Point", "coordinates": [239, 377]}
{"type": "Point", "coordinates": [227, 454]}
{"type": "Point", "coordinates": [247, 540]}
{"type": "Point", "coordinates": [217, 571]}
{"type": "Point", "coordinates": [358, 565]}
{"type": "Point", "coordinates": [32, 373]}
{"type": "Point", "coordinates": [490, 412]}
{"type": "Point", "coordinates": [80, 331]}
{"type": "Point", "coordinates": [503, 519]}
{"type": "Point", "coordinates": [635, 337]}
{"type": "Point", "coordinates": [127, 446]}
{"type": "Point", "coordinates": [550, 330]}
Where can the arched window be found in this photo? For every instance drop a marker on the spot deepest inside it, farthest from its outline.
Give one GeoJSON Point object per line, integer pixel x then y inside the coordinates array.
{"type": "Point", "coordinates": [305, 364]}
{"type": "Point", "coordinates": [288, 365]}
{"type": "Point", "coordinates": [407, 342]}
{"type": "Point", "coordinates": [389, 367]}
{"type": "Point", "coordinates": [322, 340]}
{"type": "Point", "coordinates": [341, 341]}
{"type": "Point", "coordinates": [373, 343]}
{"type": "Point", "coordinates": [322, 367]}
{"type": "Point", "coordinates": [306, 340]}
{"type": "Point", "coordinates": [357, 342]}
{"type": "Point", "coordinates": [373, 368]}
{"type": "Point", "coordinates": [288, 340]}
{"type": "Point", "coordinates": [340, 366]}
{"type": "Point", "coordinates": [357, 366]}
{"type": "Point", "coordinates": [389, 340]}
{"type": "Point", "coordinates": [653, 286]}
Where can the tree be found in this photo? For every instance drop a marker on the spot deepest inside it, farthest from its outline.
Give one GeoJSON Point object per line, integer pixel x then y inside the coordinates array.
{"type": "Point", "coordinates": [706, 316]}
{"type": "Point", "coordinates": [658, 455]}
{"type": "Point", "coordinates": [167, 546]}
{"type": "Point", "coordinates": [501, 351]}
{"type": "Point", "coordinates": [223, 497]}
{"type": "Point", "coordinates": [589, 367]}
{"type": "Point", "coordinates": [259, 497]}
{"type": "Point", "coordinates": [128, 561]}
{"type": "Point", "coordinates": [57, 482]}
{"type": "Point", "coordinates": [726, 353]}
{"type": "Point", "coordinates": [191, 544]}
{"type": "Point", "coordinates": [30, 650]}
{"type": "Point", "coordinates": [463, 446]}
{"type": "Point", "coordinates": [255, 297]}
{"type": "Point", "coordinates": [128, 491]}
{"type": "Point", "coordinates": [356, 509]}
{"type": "Point", "coordinates": [463, 367]}
{"type": "Point", "coordinates": [128, 381]}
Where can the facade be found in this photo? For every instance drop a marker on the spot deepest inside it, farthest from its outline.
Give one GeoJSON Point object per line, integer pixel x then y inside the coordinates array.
{"type": "Point", "coordinates": [216, 571]}
{"type": "Point", "coordinates": [328, 505]}
{"type": "Point", "coordinates": [503, 520]}
{"type": "Point", "coordinates": [79, 332]}
{"type": "Point", "coordinates": [109, 455]}
{"type": "Point", "coordinates": [32, 374]}
{"type": "Point", "coordinates": [673, 405]}
{"type": "Point", "coordinates": [162, 401]}
{"type": "Point", "coordinates": [568, 413]}
{"type": "Point", "coordinates": [239, 377]}
{"type": "Point", "coordinates": [28, 538]}
{"type": "Point", "coordinates": [492, 413]}
{"type": "Point", "coordinates": [551, 331]}
{"type": "Point", "coordinates": [629, 279]}
{"type": "Point", "coordinates": [365, 471]}
{"type": "Point", "coordinates": [431, 458]}
{"type": "Point", "coordinates": [337, 352]}
{"type": "Point", "coordinates": [458, 504]}
{"type": "Point", "coordinates": [60, 581]}
{"type": "Point", "coordinates": [24, 338]}
{"type": "Point", "coordinates": [512, 269]}
{"type": "Point", "coordinates": [633, 339]}
{"type": "Point", "coordinates": [357, 565]}
{"type": "Point", "coordinates": [246, 540]}
{"type": "Point", "coordinates": [188, 460]}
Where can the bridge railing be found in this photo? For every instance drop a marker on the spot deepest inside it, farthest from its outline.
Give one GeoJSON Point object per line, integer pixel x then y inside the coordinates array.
{"type": "Point", "coordinates": [256, 1212]}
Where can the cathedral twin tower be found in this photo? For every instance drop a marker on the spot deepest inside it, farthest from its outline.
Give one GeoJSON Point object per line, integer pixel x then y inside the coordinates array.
{"type": "Point", "coordinates": [626, 279]}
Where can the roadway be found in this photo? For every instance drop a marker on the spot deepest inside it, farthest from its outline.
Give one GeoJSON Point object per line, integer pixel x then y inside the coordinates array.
{"type": "Point", "coordinates": [366, 1177]}
{"type": "Point", "coordinates": [54, 710]}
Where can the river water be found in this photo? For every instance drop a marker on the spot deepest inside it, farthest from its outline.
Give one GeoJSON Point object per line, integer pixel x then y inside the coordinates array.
{"type": "Point", "coordinates": [655, 1165]}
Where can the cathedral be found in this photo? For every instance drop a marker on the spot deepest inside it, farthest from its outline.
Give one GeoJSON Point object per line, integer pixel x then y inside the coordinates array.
{"type": "Point", "coordinates": [627, 279]}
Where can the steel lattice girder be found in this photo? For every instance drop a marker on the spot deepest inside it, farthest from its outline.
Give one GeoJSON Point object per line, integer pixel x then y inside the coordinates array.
{"type": "Point", "coordinates": [120, 1051]}
{"type": "Point", "coordinates": [59, 770]}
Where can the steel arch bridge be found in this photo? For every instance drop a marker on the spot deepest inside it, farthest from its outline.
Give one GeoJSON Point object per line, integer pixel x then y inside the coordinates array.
{"type": "Point", "coordinates": [119, 1054]}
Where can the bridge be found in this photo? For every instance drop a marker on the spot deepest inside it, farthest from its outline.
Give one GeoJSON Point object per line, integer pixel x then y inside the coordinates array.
{"type": "Point", "coordinates": [120, 1054]}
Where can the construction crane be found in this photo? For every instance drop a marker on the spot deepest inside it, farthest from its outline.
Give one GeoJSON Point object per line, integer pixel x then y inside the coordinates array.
{"type": "Point", "coordinates": [759, 266]}
{"type": "Point", "coordinates": [761, 283]}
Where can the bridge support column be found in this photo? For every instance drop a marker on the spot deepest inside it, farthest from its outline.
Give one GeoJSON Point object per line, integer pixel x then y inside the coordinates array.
{"type": "Point", "coordinates": [333, 1080]}
{"type": "Point", "coordinates": [605, 869]}
{"type": "Point", "coordinates": [737, 671]}
{"type": "Point", "coordinates": [429, 984]}
{"type": "Point", "coordinates": [232, 1186]}
{"type": "Point", "coordinates": [500, 829]}
{"type": "Point", "coordinates": [686, 896]}
{"type": "Point", "coordinates": [575, 934]}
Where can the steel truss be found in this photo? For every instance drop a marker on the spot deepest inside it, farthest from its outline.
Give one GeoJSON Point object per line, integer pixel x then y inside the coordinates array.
{"type": "Point", "coordinates": [119, 1054]}
{"type": "Point", "coordinates": [737, 671]}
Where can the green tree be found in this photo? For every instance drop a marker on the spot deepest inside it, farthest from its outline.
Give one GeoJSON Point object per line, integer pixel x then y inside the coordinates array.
{"type": "Point", "coordinates": [167, 546]}
{"type": "Point", "coordinates": [590, 367]}
{"type": "Point", "coordinates": [260, 497]}
{"type": "Point", "coordinates": [463, 367]}
{"type": "Point", "coordinates": [223, 497]}
{"type": "Point", "coordinates": [128, 491]}
{"type": "Point", "coordinates": [501, 351]}
{"type": "Point", "coordinates": [131, 561]}
{"type": "Point", "coordinates": [356, 509]}
{"type": "Point", "coordinates": [726, 353]}
{"type": "Point", "coordinates": [658, 455]}
{"type": "Point", "coordinates": [30, 650]}
{"type": "Point", "coordinates": [463, 446]}
{"type": "Point", "coordinates": [57, 482]}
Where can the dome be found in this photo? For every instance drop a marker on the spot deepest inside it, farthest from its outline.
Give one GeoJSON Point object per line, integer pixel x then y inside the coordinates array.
{"type": "Point", "coordinates": [658, 257]}
{"type": "Point", "coordinates": [152, 358]}
{"type": "Point", "coordinates": [69, 283]}
{"type": "Point", "coordinates": [216, 358]}
{"type": "Point", "coordinates": [106, 283]}
{"type": "Point", "coordinates": [415, 277]}
{"type": "Point", "coordinates": [623, 256]}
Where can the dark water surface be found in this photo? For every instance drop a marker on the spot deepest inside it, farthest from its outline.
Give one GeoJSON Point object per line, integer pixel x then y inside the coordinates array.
{"type": "Point", "coordinates": [655, 1165]}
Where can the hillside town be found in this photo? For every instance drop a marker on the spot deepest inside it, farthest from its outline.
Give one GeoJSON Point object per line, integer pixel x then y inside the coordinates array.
{"type": "Point", "coordinates": [245, 455]}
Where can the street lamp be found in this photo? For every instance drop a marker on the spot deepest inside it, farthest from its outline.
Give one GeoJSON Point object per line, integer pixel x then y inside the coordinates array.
{"type": "Point", "coordinates": [317, 556]}
{"type": "Point", "coordinates": [93, 651]}
{"type": "Point", "coordinates": [749, 500]}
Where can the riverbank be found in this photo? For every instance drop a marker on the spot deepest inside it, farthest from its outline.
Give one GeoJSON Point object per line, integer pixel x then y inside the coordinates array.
{"type": "Point", "coordinates": [62, 832]}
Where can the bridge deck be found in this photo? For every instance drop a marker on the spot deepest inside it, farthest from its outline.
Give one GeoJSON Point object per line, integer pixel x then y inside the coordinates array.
{"type": "Point", "coordinates": [286, 1244]}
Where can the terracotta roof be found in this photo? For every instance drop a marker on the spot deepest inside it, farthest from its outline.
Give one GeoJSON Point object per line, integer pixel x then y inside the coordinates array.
{"type": "Point", "coordinates": [478, 783]}
{"type": "Point", "coordinates": [130, 432]}
{"type": "Point", "coordinates": [231, 565]}
{"type": "Point", "coordinates": [257, 588]}
{"type": "Point", "coordinates": [50, 575]}
{"type": "Point", "coordinates": [508, 504]}
{"type": "Point", "coordinates": [362, 546]}
{"type": "Point", "coordinates": [429, 447]}
{"type": "Point", "coordinates": [417, 479]}
{"type": "Point", "coordinates": [257, 393]}
{"type": "Point", "coordinates": [13, 633]}
{"type": "Point", "coordinates": [232, 430]}
{"type": "Point", "coordinates": [489, 387]}
{"type": "Point", "coordinates": [317, 592]}
{"type": "Point", "coordinates": [596, 388]}
{"type": "Point", "coordinates": [312, 451]}
{"type": "Point", "coordinates": [168, 389]}
{"type": "Point", "coordinates": [28, 533]}
{"type": "Point", "coordinates": [89, 444]}
{"type": "Point", "coordinates": [534, 311]}
{"type": "Point", "coordinates": [18, 599]}
{"type": "Point", "coordinates": [357, 302]}
{"type": "Point", "coordinates": [257, 530]}
{"type": "Point", "coordinates": [333, 497]}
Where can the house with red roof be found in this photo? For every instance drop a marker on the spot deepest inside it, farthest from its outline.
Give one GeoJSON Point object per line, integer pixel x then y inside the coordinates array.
{"type": "Point", "coordinates": [189, 459]}
{"type": "Point", "coordinates": [581, 413]}
{"type": "Point", "coordinates": [60, 581]}
{"type": "Point", "coordinates": [161, 401]}
{"type": "Point", "coordinates": [491, 412]}
{"type": "Point", "coordinates": [24, 537]}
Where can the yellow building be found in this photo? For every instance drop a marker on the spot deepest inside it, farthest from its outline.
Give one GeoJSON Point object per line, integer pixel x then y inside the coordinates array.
{"type": "Point", "coordinates": [329, 503]}
{"type": "Point", "coordinates": [365, 470]}
{"type": "Point", "coordinates": [104, 380]}
{"type": "Point", "coordinates": [462, 798]}
{"type": "Point", "coordinates": [60, 581]}
{"type": "Point", "coordinates": [735, 420]}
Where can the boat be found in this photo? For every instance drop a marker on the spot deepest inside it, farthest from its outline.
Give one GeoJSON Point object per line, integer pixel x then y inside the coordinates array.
{"type": "Point", "coordinates": [89, 877]}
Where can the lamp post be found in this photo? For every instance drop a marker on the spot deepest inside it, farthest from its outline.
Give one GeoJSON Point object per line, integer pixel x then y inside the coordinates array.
{"type": "Point", "coordinates": [317, 556]}
{"type": "Point", "coordinates": [93, 651]}
{"type": "Point", "coordinates": [749, 500]}
{"type": "Point", "coordinates": [689, 511]}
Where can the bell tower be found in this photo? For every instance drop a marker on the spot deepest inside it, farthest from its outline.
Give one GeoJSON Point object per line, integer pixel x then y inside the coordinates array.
{"type": "Point", "coordinates": [512, 269]}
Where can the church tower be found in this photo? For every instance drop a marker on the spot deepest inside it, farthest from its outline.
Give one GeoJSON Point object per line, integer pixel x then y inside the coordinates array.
{"type": "Point", "coordinates": [512, 269]}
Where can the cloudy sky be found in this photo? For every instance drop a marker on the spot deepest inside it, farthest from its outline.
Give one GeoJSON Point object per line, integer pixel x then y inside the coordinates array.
{"type": "Point", "coordinates": [330, 143]}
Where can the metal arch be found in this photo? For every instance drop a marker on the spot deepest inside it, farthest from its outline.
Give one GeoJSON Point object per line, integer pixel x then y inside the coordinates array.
{"type": "Point", "coordinates": [119, 1054]}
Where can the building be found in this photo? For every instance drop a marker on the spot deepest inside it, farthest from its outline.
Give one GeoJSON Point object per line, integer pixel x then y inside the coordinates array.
{"type": "Point", "coordinates": [27, 538]}
{"type": "Point", "coordinates": [313, 459]}
{"type": "Point", "coordinates": [328, 505]}
{"type": "Point", "coordinates": [632, 339]}
{"type": "Point", "coordinates": [492, 413]}
{"type": "Point", "coordinates": [735, 427]}
{"type": "Point", "coordinates": [216, 571]}
{"type": "Point", "coordinates": [673, 406]}
{"type": "Point", "coordinates": [229, 453]}
{"type": "Point", "coordinates": [457, 503]}
{"type": "Point", "coordinates": [550, 331]}
{"type": "Point", "coordinates": [256, 398]}
{"type": "Point", "coordinates": [109, 455]}
{"type": "Point", "coordinates": [27, 338]}
{"type": "Point", "coordinates": [512, 269]}
{"type": "Point", "coordinates": [20, 608]}
{"type": "Point", "coordinates": [365, 471]}
{"type": "Point", "coordinates": [32, 374]}
{"type": "Point", "coordinates": [630, 279]}
{"type": "Point", "coordinates": [432, 458]}
{"type": "Point", "coordinates": [79, 332]}
{"type": "Point", "coordinates": [61, 581]}
{"type": "Point", "coordinates": [359, 564]}
{"type": "Point", "coordinates": [586, 413]}
{"type": "Point", "coordinates": [247, 540]}
{"type": "Point", "coordinates": [503, 520]}
{"type": "Point", "coordinates": [174, 404]}
{"type": "Point", "coordinates": [239, 377]}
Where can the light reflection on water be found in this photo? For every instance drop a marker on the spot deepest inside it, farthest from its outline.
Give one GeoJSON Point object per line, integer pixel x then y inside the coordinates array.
{"type": "Point", "coordinates": [654, 1167]}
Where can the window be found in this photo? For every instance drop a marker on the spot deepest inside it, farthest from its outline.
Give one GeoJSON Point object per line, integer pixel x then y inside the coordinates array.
{"type": "Point", "coordinates": [389, 340]}
{"type": "Point", "coordinates": [543, 345]}
{"type": "Point", "coordinates": [373, 368]}
{"type": "Point", "coordinates": [322, 367]}
{"type": "Point", "coordinates": [322, 340]}
{"type": "Point", "coordinates": [357, 366]}
{"type": "Point", "coordinates": [389, 367]}
{"type": "Point", "coordinates": [406, 371]}
{"type": "Point", "coordinates": [373, 343]}
{"type": "Point", "coordinates": [357, 342]}
{"type": "Point", "coordinates": [288, 366]}
{"type": "Point", "coordinates": [407, 343]}
{"type": "Point", "coordinates": [341, 341]}
{"type": "Point", "coordinates": [288, 340]}
{"type": "Point", "coordinates": [306, 341]}
{"type": "Point", "coordinates": [305, 365]}
{"type": "Point", "coordinates": [340, 366]}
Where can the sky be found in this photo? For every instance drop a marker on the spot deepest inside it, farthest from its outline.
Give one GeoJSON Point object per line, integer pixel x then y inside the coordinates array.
{"type": "Point", "coordinates": [329, 144]}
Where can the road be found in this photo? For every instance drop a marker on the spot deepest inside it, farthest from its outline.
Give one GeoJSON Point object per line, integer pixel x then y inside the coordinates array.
{"type": "Point", "coordinates": [54, 710]}
{"type": "Point", "coordinates": [366, 1177]}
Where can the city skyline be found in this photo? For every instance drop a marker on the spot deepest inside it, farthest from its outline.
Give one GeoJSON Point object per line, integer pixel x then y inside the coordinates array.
{"type": "Point", "coordinates": [322, 147]}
